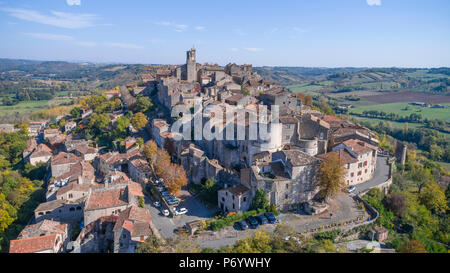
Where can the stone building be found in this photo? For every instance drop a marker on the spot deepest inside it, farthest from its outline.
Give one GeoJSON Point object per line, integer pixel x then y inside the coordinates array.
{"type": "Point", "coordinates": [360, 160]}
{"type": "Point", "coordinates": [69, 126]}
{"type": "Point", "coordinates": [61, 163]}
{"type": "Point", "coordinates": [139, 169]}
{"type": "Point", "coordinates": [48, 133]}
{"type": "Point", "coordinates": [234, 198]}
{"type": "Point", "coordinates": [87, 153]}
{"type": "Point", "coordinates": [72, 192]}
{"type": "Point", "coordinates": [288, 180]}
{"type": "Point", "coordinates": [41, 154]}
{"type": "Point", "coordinates": [60, 210]}
{"type": "Point", "coordinates": [110, 200]}
{"type": "Point", "coordinates": [133, 226]}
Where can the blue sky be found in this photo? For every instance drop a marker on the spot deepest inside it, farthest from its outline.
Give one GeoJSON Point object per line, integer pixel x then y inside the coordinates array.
{"type": "Point", "coordinates": [319, 33]}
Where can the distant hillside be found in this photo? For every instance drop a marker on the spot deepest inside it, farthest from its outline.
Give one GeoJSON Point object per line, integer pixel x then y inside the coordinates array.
{"type": "Point", "coordinates": [294, 75]}
{"type": "Point", "coordinates": [346, 80]}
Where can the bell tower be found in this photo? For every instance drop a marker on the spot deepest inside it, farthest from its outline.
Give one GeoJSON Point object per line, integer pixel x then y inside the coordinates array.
{"type": "Point", "coordinates": [191, 69]}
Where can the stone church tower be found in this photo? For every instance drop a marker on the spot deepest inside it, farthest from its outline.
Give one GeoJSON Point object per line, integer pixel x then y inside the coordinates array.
{"type": "Point", "coordinates": [191, 66]}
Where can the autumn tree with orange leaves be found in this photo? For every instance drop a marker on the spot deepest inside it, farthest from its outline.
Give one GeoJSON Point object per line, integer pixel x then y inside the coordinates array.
{"type": "Point", "coordinates": [331, 176]}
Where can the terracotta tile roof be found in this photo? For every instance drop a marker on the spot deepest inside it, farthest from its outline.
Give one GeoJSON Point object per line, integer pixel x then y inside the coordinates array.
{"type": "Point", "coordinates": [72, 186]}
{"type": "Point", "coordinates": [358, 146]}
{"type": "Point", "coordinates": [332, 119]}
{"type": "Point", "coordinates": [141, 165]}
{"type": "Point", "coordinates": [136, 220]}
{"type": "Point", "coordinates": [117, 177]}
{"type": "Point", "coordinates": [106, 198]}
{"type": "Point", "coordinates": [32, 245]}
{"type": "Point", "coordinates": [65, 158]}
{"type": "Point", "coordinates": [82, 168]}
{"type": "Point", "coordinates": [238, 190]}
{"type": "Point", "coordinates": [86, 149]}
{"type": "Point", "coordinates": [31, 145]}
{"type": "Point", "coordinates": [51, 131]}
{"type": "Point", "coordinates": [345, 156]}
{"type": "Point", "coordinates": [45, 227]}
{"type": "Point", "coordinates": [51, 205]}
{"type": "Point", "coordinates": [234, 98]}
{"type": "Point", "coordinates": [288, 120]}
{"type": "Point", "coordinates": [135, 189]}
{"type": "Point", "coordinates": [41, 150]}
{"type": "Point", "coordinates": [299, 158]}
{"type": "Point", "coordinates": [113, 92]}
{"type": "Point", "coordinates": [61, 138]}
{"type": "Point", "coordinates": [160, 123]}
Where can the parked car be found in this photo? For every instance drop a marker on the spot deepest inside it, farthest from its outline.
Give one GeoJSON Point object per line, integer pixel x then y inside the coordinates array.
{"type": "Point", "coordinates": [160, 188]}
{"type": "Point", "coordinates": [270, 217]}
{"type": "Point", "coordinates": [253, 223]}
{"type": "Point", "coordinates": [170, 196]}
{"type": "Point", "coordinates": [181, 211]}
{"type": "Point", "coordinates": [242, 225]}
{"type": "Point", "coordinates": [262, 220]}
{"type": "Point", "coordinates": [157, 204]}
{"type": "Point", "coordinates": [165, 212]}
{"type": "Point", "coordinates": [351, 189]}
{"type": "Point", "coordinates": [165, 193]}
{"type": "Point", "coordinates": [173, 198]}
{"type": "Point", "coordinates": [173, 202]}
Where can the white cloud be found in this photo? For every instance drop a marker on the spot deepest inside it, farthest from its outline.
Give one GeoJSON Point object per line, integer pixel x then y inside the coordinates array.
{"type": "Point", "coordinates": [299, 30]}
{"type": "Point", "coordinates": [373, 2]}
{"type": "Point", "coordinates": [73, 2]}
{"type": "Point", "coordinates": [200, 28]}
{"type": "Point", "coordinates": [174, 26]}
{"type": "Point", "coordinates": [48, 36]}
{"type": "Point", "coordinates": [86, 43]}
{"type": "Point", "coordinates": [124, 45]}
{"type": "Point", "coordinates": [233, 49]}
{"type": "Point", "coordinates": [253, 49]}
{"type": "Point", "coordinates": [57, 19]}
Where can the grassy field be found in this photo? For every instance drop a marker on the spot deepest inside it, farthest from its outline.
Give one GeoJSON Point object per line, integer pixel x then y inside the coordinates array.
{"type": "Point", "coordinates": [30, 106]}
{"type": "Point", "coordinates": [305, 88]}
{"type": "Point", "coordinates": [399, 108]}
{"type": "Point", "coordinates": [396, 125]}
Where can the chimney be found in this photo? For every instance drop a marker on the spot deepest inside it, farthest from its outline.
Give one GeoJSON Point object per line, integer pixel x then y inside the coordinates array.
{"type": "Point", "coordinates": [80, 180]}
{"type": "Point", "coordinates": [225, 185]}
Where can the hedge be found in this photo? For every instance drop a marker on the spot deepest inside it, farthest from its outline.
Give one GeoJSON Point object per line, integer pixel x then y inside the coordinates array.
{"type": "Point", "coordinates": [230, 220]}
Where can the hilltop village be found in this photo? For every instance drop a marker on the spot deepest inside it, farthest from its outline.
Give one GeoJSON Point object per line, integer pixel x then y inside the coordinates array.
{"type": "Point", "coordinates": [105, 192]}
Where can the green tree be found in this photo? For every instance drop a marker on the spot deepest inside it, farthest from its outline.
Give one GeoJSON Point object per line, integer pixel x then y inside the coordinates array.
{"type": "Point", "coordinates": [144, 104]}
{"type": "Point", "coordinates": [433, 198]}
{"type": "Point", "coordinates": [260, 200]}
{"type": "Point", "coordinates": [99, 121]}
{"type": "Point", "coordinates": [139, 141]}
{"type": "Point", "coordinates": [139, 121]}
{"type": "Point", "coordinates": [75, 112]}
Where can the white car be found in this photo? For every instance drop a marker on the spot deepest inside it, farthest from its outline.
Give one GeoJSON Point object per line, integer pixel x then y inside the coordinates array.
{"type": "Point", "coordinates": [157, 204]}
{"type": "Point", "coordinates": [181, 211]}
{"type": "Point", "coordinates": [165, 212]}
{"type": "Point", "coordinates": [351, 189]}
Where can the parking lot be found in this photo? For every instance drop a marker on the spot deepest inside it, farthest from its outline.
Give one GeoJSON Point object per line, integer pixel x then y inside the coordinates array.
{"type": "Point", "coordinates": [167, 225]}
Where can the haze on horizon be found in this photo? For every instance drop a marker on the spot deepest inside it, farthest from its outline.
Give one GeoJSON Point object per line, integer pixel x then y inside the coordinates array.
{"type": "Point", "coordinates": [320, 33]}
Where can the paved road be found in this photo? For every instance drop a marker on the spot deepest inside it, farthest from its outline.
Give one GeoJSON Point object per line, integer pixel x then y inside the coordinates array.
{"type": "Point", "coordinates": [342, 207]}
{"type": "Point", "coordinates": [380, 176]}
